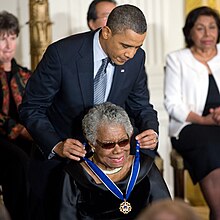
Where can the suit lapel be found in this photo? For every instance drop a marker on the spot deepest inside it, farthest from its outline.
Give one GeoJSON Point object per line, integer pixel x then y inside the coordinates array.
{"type": "Point", "coordinates": [85, 74]}
{"type": "Point", "coordinates": [85, 67]}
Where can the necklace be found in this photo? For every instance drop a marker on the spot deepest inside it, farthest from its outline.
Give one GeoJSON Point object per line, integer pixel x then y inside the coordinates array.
{"type": "Point", "coordinates": [108, 172]}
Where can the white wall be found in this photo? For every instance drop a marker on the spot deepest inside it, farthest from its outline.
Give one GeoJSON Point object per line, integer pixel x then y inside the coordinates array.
{"type": "Point", "coordinates": [165, 21]}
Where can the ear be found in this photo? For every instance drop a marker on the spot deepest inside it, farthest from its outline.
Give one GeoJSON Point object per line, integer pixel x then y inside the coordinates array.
{"type": "Point", "coordinates": [91, 25]}
{"type": "Point", "coordinates": [106, 32]}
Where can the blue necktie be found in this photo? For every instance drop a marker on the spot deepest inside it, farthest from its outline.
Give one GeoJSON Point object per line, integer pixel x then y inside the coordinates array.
{"type": "Point", "coordinates": [100, 82]}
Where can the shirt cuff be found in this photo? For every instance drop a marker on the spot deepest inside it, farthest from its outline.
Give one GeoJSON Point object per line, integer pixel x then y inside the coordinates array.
{"type": "Point", "coordinates": [53, 153]}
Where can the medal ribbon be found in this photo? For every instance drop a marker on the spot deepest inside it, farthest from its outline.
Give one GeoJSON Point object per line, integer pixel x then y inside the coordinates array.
{"type": "Point", "coordinates": [110, 184]}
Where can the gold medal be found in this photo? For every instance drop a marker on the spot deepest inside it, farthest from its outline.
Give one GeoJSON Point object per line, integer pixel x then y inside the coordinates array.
{"type": "Point", "coordinates": [125, 207]}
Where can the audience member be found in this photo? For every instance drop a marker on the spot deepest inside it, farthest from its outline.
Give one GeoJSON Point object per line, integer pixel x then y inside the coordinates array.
{"type": "Point", "coordinates": [192, 100]}
{"type": "Point", "coordinates": [15, 142]}
{"type": "Point", "coordinates": [98, 13]}
{"type": "Point", "coordinates": [111, 183]}
{"type": "Point", "coordinates": [61, 91]}
{"type": "Point", "coordinates": [169, 210]}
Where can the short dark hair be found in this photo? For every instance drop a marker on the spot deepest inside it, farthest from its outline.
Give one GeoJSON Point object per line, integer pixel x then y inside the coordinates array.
{"type": "Point", "coordinates": [125, 17]}
{"type": "Point", "coordinates": [92, 14]}
{"type": "Point", "coordinates": [8, 23]}
{"type": "Point", "coordinates": [192, 18]}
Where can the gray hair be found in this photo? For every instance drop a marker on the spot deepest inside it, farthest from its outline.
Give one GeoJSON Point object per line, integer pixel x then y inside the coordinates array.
{"type": "Point", "coordinates": [126, 17]}
{"type": "Point", "coordinates": [105, 113]}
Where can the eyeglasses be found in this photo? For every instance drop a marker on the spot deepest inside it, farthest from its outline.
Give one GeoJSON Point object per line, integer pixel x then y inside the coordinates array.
{"type": "Point", "coordinates": [111, 145]}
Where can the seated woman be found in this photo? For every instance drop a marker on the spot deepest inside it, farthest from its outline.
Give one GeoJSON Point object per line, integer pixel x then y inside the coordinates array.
{"type": "Point", "coordinates": [110, 183]}
{"type": "Point", "coordinates": [192, 100]}
{"type": "Point", "coordinates": [15, 141]}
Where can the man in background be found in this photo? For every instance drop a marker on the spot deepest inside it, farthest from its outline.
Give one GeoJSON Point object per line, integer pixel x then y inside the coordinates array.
{"type": "Point", "coordinates": [98, 13]}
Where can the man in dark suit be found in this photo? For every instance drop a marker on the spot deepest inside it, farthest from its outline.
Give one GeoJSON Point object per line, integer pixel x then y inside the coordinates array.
{"type": "Point", "coordinates": [61, 90]}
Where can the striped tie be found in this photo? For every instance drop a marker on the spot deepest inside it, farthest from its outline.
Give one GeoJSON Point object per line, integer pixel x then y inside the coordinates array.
{"type": "Point", "coordinates": [100, 82]}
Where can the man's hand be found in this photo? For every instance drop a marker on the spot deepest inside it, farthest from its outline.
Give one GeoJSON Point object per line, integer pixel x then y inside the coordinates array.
{"type": "Point", "coordinates": [70, 148]}
{"type": "Point", "coordinates": [148, 139]}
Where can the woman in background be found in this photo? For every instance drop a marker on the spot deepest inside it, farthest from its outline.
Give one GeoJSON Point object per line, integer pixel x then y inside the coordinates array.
{"type": "Point", "coordinates": [192, 97]}
{"type": "Point", "coordinates": [15, 142]}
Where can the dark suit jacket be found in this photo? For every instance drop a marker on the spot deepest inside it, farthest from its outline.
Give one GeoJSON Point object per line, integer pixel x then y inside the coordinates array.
{"type": "Point", "coordinates": [60, 92]}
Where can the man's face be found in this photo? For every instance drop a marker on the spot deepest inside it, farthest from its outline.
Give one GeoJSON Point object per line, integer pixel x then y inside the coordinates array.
{"type": "Point", "coordinates": [103, 10]}
{"type": "Point", "coordinates": [121, 47]}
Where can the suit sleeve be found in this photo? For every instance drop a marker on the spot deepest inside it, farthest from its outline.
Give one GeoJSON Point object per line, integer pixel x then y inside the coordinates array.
{"type": "Point", "coordinates": [38, 97]}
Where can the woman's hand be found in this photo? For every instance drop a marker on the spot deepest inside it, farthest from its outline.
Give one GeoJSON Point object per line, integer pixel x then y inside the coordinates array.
{"type": "Point", "coordinates": [201, 120]}
{"type": "Point", "coordinates": [216, 114]}
{"type": "Point", "coordinates": [19, 130]}
{"type": "Point", "coordinates": [25, 134]}
{"type": "Point", "coordinates": [15, 131]}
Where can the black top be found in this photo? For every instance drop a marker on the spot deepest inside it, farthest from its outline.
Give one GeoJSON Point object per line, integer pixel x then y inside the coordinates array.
{"type": "Point", "coordinates": [83, 199]}
{"type": "Point", "coordinates": [213, 96]}
{"type": "Point", "coordinates": [199, 144]}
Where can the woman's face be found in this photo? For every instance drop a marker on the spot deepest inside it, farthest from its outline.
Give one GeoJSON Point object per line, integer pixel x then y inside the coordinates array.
{"type": "Point", "coordinates": [205, 32]}
{"type": "Point", "coordinates": [108, 154]}
{"type": "Point", "coordinates": [7, 47]}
